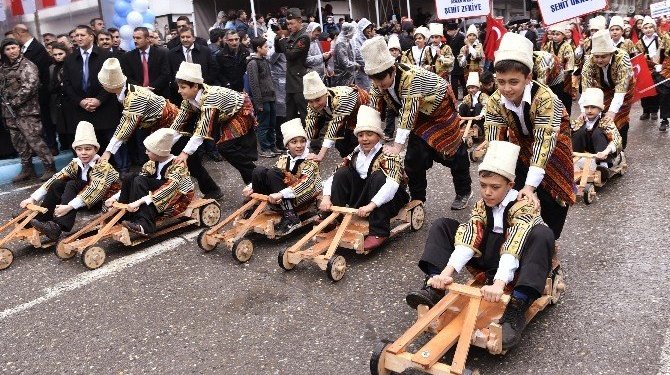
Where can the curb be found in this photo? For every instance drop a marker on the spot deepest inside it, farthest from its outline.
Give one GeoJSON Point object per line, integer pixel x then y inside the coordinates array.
{"type": "Point", "coordinates": [12, 167]}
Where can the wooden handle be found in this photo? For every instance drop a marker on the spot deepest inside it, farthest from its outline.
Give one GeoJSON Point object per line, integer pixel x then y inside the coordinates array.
{"type": "Point", "coordinates": [260, 197]}
{"type": "Point", "coordinates": [34, 207]}
{"type": "Point", "coordinates": [583, 155]}
{"type": "Point", "coordinates": [344, 210]}
{"type": "Point", "coordinates": [120, 206]}
{"type": "Point", "coordinates": [465, 290]}
{"type": "Point", "coordinates": [467, 118]}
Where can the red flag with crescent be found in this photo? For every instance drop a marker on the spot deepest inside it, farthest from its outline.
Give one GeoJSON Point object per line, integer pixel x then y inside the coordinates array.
{"type": "Point", "coordinates": [633, 30]}
{"type": "Point", "coordinates": [494, 32]}
{"type": "Point", "coordinates": [644, 84]}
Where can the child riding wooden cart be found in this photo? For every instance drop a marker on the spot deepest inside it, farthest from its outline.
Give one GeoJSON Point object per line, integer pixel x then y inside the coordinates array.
{"type": "Point", "coordinates": [588, 179]}
{"type": "Point", "coordinates": [20, 232]}
{"type": "Point", "coordinates": [262, 220]}
{"type": "Point", "coordinates": [461, 318]}
{"type": "Point", "coordinates": [200, 212]}
{"type": "Point", "coordinates": [349, 234]}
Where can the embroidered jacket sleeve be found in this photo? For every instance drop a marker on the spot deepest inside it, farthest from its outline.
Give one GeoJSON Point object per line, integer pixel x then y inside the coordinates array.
{"type": "Point", "coordinates": [471, 233]}
{"type": "Point", "coordinates": [310, 123]}
{"type": "Point", "coordinates": [613, 136]}
{"type": "Point", "coordinates": [174, 176]}
{"type": "Point", "coordinates": [567, 56]}
{"type": "Point", "coordinates": [590, 77]}
{"type": "Point", "coordinates": [69, 172]}
{"type": "Point", "coordinates": [445, 62]}
{"type": "Point", "coordinates": [521, 218]}
{"type": "Point", "coordinates": [308, 183]}
{"type": "Point", "coordinates": [495, 125]}
{"type": "Point", "coordinates": [548, 114]}
{"type": "Point", "coordinates": [101, 177]}
{"type": "Point", "coordinates": [217, 101]}
{"type": "Point", "coordinates": [344, 103]}
{"type": "Point", "coordinates": [407, 58]}
{"type": "Point", "coordinates": [140, 108]}
{"type": "Point", "coordinates": [392, 167]}
{"type": "Point", "coordinates": [540, 68]}
{"type": "Point", "coordinates": [622, 74]}
{"type": "Point", "coordinates": [377, 100]}
{"type": "Point", "coordinates": [183, 116]}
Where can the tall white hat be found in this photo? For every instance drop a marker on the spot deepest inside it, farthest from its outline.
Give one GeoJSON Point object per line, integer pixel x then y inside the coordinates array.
{"type": "Point", "coordinates": [292, 129]}
{"type": "Point", "coordinates": [394, 42]}
{"type": "Point", "coordinates": [436, 29]}
{"type": "Point", "coordinates": [558, 27]}
{"type": "Point", "coordinates": [423, 31]}
{"type": "Point", "coordinates": [85, 135]}
{"type": "Point", "coordinates": [312, 86]}
{"type": "Point", "coordinates": [616, 21]}
{"type": "Point", "coordinates": [649, 20]}
{"type": "Point", "coordinates": [472, 29]}
{"type": "Point", "coordinates": [160, 141]}
{"type": "Point", "coordinates": [596, 23]}
{"type": "Point", "coordinates": [593, 96]}
{"type": "Point", "coordinates": [473, 79]}
{"type": "Point", "coordinates": [515, 47]}
{"type": "Point", "coordinates": [376, 55]}
{"type": "Point", "coordinates": [501, 158]}
{"type": "Point", "coordinates": [368, 119]}
{"type": "Point", "coordinates": [601, 42]}
{"type": "Point", "coordinates": [190, 72]}
{"type": "Point", "coordinates": [110, 75]}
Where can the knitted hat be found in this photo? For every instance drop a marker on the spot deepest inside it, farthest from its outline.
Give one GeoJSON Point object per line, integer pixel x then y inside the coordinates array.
{"type": "Point", "coordinates": [472, 29]}
{"type": "Point", "coordinates": [110, 75]}
{"type": "Point", "coordinates": [557, 27]}
{"type": "Point", "coordinates": [601, 42]}
{"type": "Point", "coordinates": [190, 72]}
{"type": "Point", "coordinates": [473, 79]}
{"type": "Point", "coordinates": [648, 20]}
{"type": "Point", "coordinates": [312, 86]}
{"type": "Point", "coordinates": [85, 135]}
{"type": "Point", "coordinates": [638, 17]}
{"type": "Point", "coordinates": [436, 29]}
{"type": "Point", "coordinates": [423, 31]}
{"type": "Point", "coordinates": [292, 129]}
{"type": "Point", "coordinates": [593, 96]}
{"type": "Point", "coordinates": [368, 119]}
{"type": "Point", "coordinates": [501, 158]}
{"type": "Point", "coordinates": [160, 141]}
{"type": "Point", "coordinates": [394, 42]}
{"type": "Point", "coordinates": [376, 55]}
{"type": "Point", "coordinates": [596, 23]}
{"type": "Point", "coordinates": [294, 13]}
{"type": "Point", "coordinates": [515, 47]}
{"type": "Point", "coordinates": [616, 21]}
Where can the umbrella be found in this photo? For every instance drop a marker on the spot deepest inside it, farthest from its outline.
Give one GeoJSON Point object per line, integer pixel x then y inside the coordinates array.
{"type": "Point", "coordinates": [518, 20]}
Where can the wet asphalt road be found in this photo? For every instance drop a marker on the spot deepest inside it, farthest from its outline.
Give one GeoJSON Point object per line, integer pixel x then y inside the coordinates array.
{"type": "Point", "coordinates": [170, 308]}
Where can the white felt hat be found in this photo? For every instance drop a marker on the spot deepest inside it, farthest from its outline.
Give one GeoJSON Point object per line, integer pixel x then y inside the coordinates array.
{"type": "Point", "coordinates": [292, 129]}
{"type": "Point", "coordinates": [648, 20]}
{"type": "Point", "coordinates": [376, 55]}
{"type": "Point", "coordinates": [368, 119]}
{"type": "Point", "coordinates": [312, 86]}
{"type": "Point", "coordinates": [473, 80]}
{"type": "Point", "coordinates": [601, 42]}
{"type": "Point", "coordinates": [436, 29]}
{"type": "Point", "coordinates": [472, 29]}
{"type": "Point", "coordinates": [423, 31]}
{"type": "Point", "coordinates": [638, 17]}
{"type": "Point", "coordinates": [515, 47]}
{"type": "Point", "coordinates": [596, 23]}
{"type": "Point", "coordinates": [501, 158]}
{"type": "Point", "coordinates": [190, 72]}
{"type": "Point", "coordinates": [160, 141]}
{"type": "Point", "coordinates": [85, 135]}
{"type": "Point", "coordinates": [593, 96]}
{"type": "Point", "coordinates": [110, 75]}
{"type": "Point", "coordinates": [616, 21]}
{"type": "Point", "coordinates": [394, 42]}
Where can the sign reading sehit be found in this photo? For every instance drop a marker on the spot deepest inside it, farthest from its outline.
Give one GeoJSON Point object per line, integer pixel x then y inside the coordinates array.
{"type": "Point", "coordinates": [660, 9]}
{"type": "Point", "coordinates": [448, 9]}
{"type": "Point", "coordinates": [554, 11]}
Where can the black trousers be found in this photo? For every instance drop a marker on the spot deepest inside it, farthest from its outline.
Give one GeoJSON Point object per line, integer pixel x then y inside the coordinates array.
{"type": "Point", "coordinates": [592, 141]}
{"type": "Point", "coordinates": [349, 189]}
{"type": "Point", "coordinates": [134, 187]}
{"type": "Point", "coordinates": [563, 96]}
{"type": "Point", "coordinates": [389, 129]}
{"type": "Point", "coordinates": [267, 180]}
{"type": "Point", "coordinates": [296, 106]}
{"type": "Point", "coordinates": [458, 81]}
{"type": "Point", "coordinates": [195, 167]}
{"type": "Point", "coordinates": [347, 144]}
{"type": "Point", "coordinates": [534, 262]}
{"type": "Point", "coordinates": [650, 104]}
{"type": "Point", "coordinates": [624, 135]}
{"type": "Point", "coordinates": [241, 153]}
{"type": "Point", "coordinates": [420, 157]}
{"type": "Point", "coordinates": [61, 192]}
{"type": "Point", "coordinates": [467, 111]}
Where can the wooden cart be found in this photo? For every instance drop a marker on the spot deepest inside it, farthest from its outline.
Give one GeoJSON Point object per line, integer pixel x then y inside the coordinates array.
{"type": "Point", "coordinates": [201, 212]}
{"type": "Point", "coordinates": [349, 234]}
{"type": "Point", "coordinates": [262, 221]}
{"type": "Point", "coordinates": [587, 179]}
{"type": "Point", "coordinates": [16, 230]}
{"type": "Point", "coordinates": [470, 133]}
{"type": "Point", "coordinates": [461, 319]}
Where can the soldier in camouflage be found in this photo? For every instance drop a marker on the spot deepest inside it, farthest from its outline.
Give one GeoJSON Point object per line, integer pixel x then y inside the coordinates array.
{"type": "Point", "coordinates": [20, 82]}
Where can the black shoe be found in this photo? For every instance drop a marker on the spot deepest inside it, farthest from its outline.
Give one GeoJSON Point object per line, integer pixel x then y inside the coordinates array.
{"type": "Point", "coordinates": [215, 156]}
{"type": "Point", "coordinates": [654, 116]}
{"type": "Point", "coordinates": [604, 173]}
{"type": "Point", "coordinates": [266, 154]}
{"type": "Point", "coordinates": [428, 296]}
{"type": "Point", "coordinates": [216, 195]}
{"type": "Point", "coordinates": [134, 227]}
{"type": "Point", "coordinates": [288, 224]}
{"type": "Point", "coordinates": [645, 116]}
{"type": "Point", "coordinates": [664, 126]}
{"type": "Point", "coordinates": [47, 228]}
{"type": "Point", "coordinates": [513, 322]}
{"type": "Point", "coordinates": [461, 201]}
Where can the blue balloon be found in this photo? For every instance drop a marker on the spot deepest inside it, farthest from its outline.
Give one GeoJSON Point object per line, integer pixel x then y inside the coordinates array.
{"type": "Point", "coordinates": [122, 8]}
{"type": "Point", "coordinates": [149, 17]}
{"type": "Point", "coordinates": [118, 20]}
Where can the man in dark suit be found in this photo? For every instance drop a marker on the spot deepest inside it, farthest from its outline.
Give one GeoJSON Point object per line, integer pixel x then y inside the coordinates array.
{"type": "Point", "coordinates": [116, 39]}
{"type": "Point", "coordinates": [147, 66]}
{"type": "Point", "coordinates": [184, 23]}
{"type": "Point", "coordinates": [105, 43]}
{"type": "Point", "coordinates": [189, 51]}
{"type": "Point", "coordinates": [80, 82]}
{"type": "Point", "coordinates": [232, 62]}
{"type": "Point", "coordinates": [36, 53]}
{"type": "Point", "coordinates": [456, 41]}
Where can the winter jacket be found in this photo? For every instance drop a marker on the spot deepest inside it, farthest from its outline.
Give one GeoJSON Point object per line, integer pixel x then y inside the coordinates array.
{"type": "Point", "coordinates": [361, 79]}
{"type": "Point", "coordinates": [232, 66]}
{"type": "Point", "coordinates": [20, 84]}
{"type": "Point", "coordinates": [260, 81]}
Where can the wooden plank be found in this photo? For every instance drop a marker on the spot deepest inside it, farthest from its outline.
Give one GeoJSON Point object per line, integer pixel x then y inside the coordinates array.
{"type": "Point", "coordinates": [403, 361]}
{"type": "Point", "coordinates": [317, 229]}
{"type": "Point", "coordinates": [338, 235]}
{"type": "Point", "coordinates": [434, 349]}
{"type": "Point", "coordinates": [36, 208]}
{"type": "Point", "coordinates": [231, 217]}
{"type": "Point", "coordinates": [105, 230]}
{"type": "Point", "coordinates": [344, 210]}
{"type": "Point", "coordinates": [463, 347]}
{"type": "Point", "coordinates": [243, 229]}
{"type": "Point", "coordinates": [168, 229]}
{"type": "Point", "coordinates": [89, 226]}
{"type": "Point", "coordinates": [15, 220]}
{"type": "Point", "coordinates": [465, 290]}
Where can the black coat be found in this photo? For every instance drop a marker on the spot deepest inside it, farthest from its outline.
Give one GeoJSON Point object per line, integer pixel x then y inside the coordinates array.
{"type": "Point", "coordinates": [200, 55]}
{"type": "Point", "coordinates": [456, 42]}
{"type": "Point", "coordinates": [177, 42]}
{"type": "Point", "coordinates": [40, 57]}
{"type": "Point", "coordinates": [159, 69]}
{"type": "Point", "coordinates": [296, 49]}
{"type": "Point", "coordinates": [232, 67]}
{"type": "Point", "coordinates": [108, 114]}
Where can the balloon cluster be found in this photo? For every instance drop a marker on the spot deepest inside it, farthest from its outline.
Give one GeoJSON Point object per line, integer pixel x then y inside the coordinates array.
{"type": "Point", "coordinates": [129, 14]}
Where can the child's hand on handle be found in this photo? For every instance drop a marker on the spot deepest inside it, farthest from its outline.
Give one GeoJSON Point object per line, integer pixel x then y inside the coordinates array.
{"type": "Point", "coordinates": [528, 192]}
{"type": "Point", "coordinates": [325, 204]}
{"type": "Point", "coordinates": [275, 198]}
{"type": "Point", "coordinates": [133, 207]}
{"type": "Point", "coordinates": [247, 191]}
{"type": "Point", "coordinates": [366, 210]}
{"type": "Point", "coordinates": [109, 202]}
{"type": "Point", "coordinates": [62, 210]}
{"type": "Point", "coordinates": [24, 203]}
{"type": "Point", "coordinates": [602, 155]}
{"type": "Point", "coordinates": [440, 281]}
{"type": "Point", "coordinates": [492, 293]}
{"type": "Point", "coordinates": [181, 159]}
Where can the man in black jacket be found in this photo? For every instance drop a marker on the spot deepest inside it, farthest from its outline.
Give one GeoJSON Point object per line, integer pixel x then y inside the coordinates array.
{"type": "Point", "coordinates": [190, 51]}
{"type": "Point", "coordinates": [232, 62]}
{"type": "Point", "coordinates": [184, 23]}
{"type": "Point", "coordinates": [456, 41]}
{"type": "Point", "coordinates": [295, 48]}
{"type": "Point", "coordinates": [156, 75]}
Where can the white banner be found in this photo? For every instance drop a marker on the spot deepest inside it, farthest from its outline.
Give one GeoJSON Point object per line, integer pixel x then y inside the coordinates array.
{"type": "Point", "coordinates": [447, 9]}
{"type": "Point", "coordinates": [660, 9]}
{"type": "Point", "coordinates": [554, 11]}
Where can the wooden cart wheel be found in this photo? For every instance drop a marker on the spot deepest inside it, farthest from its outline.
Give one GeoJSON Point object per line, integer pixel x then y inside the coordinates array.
{"type": "Point", "coordinates": [243, 249]}
{"type": "Point", "coordinates": [470, 372]}
{"type": "Point", "coordinates": [336, 267]}
{"type": "Point", "coordinates": [6, 258]}
{"type": "Point", "coordinates": [93, 257]}
{"type": "Point", "coordinates": [589, 194]}
{"type": "Point", "coordinates": [378, 358]}
{"type": "Point", "coordinates": [417, 217]}
{"type": "Point", "coordinates": [282, 259]}
{"type": "Point", "coordinates": [557, 285]}
{"type": "Point", "coordinates": [62, 253]}
{"type": "Point", "coordinates": [210, 214]}
{"type": "Point", "coordinates": [204, 241]}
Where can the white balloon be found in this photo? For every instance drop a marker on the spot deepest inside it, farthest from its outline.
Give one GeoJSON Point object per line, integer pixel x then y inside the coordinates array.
{"type": "Point", "coordinates": [149, 26]}
{"type": "Point", "coordinates": [135, 19]}
{"type": "Point", "coordinates": [140, 5]}
{"type": "Point", "coordinates": [125, 45]}
{"type": "Point", "coordinates": [126, 32]}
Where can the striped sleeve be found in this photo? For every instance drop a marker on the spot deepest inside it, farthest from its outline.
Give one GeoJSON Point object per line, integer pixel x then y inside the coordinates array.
{"type": "Point", "coordinates": [392, 166]}
{"type": "Point", "coordinates": [540, 68]}
{"type": "Point", "coordinates": [568, 56]}
{"type": "Point", "coordinates": [162, 196]}
{"type": "Point", "coordinates": [131, 116]}
{"type": "Point", "coordinates": [588, 77]}
{"type": "Point", "coordinates": [309, 183]}
{"type": "Point", "coordinates": [67, 173]}
{"type": "Point", "coordinates": [102, 177]}
{"type": "Point", "coordinates": [310, 123]}
{"type": "Point", "coordinates": [184, 114]}
{"type": "Point", "coordinates": [495, 127]}
{"type": "Point", "coordinates": [377, 99]}
{"type": "Point", "coordinates": [549, 112]}
{"type": "Point", "coordinates": [344, 106]}
{"type": "Point", "coordinates": [471, 233]}
{"type": "Point", "coordinates": [624, 73]}
{"type": "Point", "coordinates": [612, 134]}
{"type": "Point", "coordinates": [409, 108]}
{"type": "Point", "coordinates": [205, 123]}
{"type": "Point", "coordinates": [522, 218]}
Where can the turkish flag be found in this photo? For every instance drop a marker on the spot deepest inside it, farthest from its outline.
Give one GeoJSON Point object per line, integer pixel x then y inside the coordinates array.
{"type": "Point", "coordinates": [633, 30]}
{"type": "Point", "coordinates": [576, 35]}
{"type": "Point", "coordinates": [644, 84]}
{"type": "Point", "coordinates": [21, 7]}
{"type": "Point", "coordinates": [494, 32]}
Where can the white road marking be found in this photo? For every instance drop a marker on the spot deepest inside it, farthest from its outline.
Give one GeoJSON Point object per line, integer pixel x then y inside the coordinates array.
{"type": "Point", "coordinates": [106, 270]}
{"type": "Point", "coordinates": [665, 355]}
{"type": "Point", "coordinates": [19, 189]}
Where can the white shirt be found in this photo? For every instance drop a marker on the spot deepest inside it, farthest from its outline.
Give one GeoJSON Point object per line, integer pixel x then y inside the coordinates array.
{"type": "Point", "coordinates": [195, 140]}
{"type": "Point", "coordinates": [77, 202]}
{"type": "Point", "coordinates": [650, 44]}
{"type": "Point", "coordinates": [591, 123]}
{"type": "Point", "coordinates": [535, 174]}
{"type": "Point", "coordinates": [81, 52]}
{"type": "Point", "coordinates": [508, 263]}
{"type": "Point", "coordinates": [114, 144]}
{"type": "Point", "coordinates": [26, 44]}
{"type": "Point", "coordinates": [475, 98]}
{"type": "Point", "coordinates": [145, 51]}
{"type": "Point", "coordinates": [417, 54]}
{"type": "Point", "coordinates": [363, 161]}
